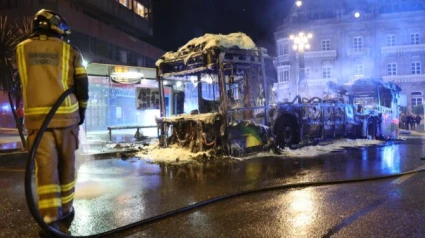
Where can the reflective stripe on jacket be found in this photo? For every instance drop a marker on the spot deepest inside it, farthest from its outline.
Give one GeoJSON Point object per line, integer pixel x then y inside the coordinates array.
{"type": "Point", "coordinates": [47, 67]}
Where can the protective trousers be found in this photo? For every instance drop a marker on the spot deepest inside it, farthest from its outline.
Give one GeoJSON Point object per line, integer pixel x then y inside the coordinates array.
{"type": "Point", "coordinates": [55, 170]}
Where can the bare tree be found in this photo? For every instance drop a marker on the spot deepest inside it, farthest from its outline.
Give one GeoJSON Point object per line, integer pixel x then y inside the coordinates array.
{"type": "Point", "coordinates": [11, 33]}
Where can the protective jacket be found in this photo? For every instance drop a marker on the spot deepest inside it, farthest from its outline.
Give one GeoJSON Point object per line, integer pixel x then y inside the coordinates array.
{"type": "Point", "coordinates": [47, 67]}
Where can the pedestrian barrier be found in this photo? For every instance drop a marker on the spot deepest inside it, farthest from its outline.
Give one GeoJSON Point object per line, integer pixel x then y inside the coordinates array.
{"type": "Point", "coordinates": [137, 135]}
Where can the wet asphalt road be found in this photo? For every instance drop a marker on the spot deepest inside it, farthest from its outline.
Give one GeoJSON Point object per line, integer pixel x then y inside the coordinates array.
{"type": "Point", "coordinates": [113, 192]}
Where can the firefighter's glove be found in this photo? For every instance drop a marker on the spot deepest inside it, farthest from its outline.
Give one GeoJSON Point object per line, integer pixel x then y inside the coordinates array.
{"type": "Point", "coordinates": [82, 116]}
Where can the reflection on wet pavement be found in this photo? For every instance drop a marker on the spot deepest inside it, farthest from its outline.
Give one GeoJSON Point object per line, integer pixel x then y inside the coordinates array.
{"type": "Point", "coordinates": [10, 145]}
{"type": "Point", "coordinates": [112, 193]}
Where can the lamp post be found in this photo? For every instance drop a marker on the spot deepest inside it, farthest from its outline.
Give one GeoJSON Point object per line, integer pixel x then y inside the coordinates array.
{"type": "Point", "coordinates": [301, 44]}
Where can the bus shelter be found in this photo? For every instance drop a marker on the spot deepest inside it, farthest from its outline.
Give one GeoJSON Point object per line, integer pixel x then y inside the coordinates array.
{"type": "Point", "coordinates": [122, 95]}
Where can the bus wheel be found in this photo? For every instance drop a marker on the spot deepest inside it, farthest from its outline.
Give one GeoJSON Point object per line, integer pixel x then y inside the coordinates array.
{"type": "Point", "coordinates": [371, 128]}
{"type": "Point", "coordinates": [287, 135]}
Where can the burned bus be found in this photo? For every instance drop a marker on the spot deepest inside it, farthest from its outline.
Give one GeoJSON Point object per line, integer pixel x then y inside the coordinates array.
{"type": "Point", "coordinates": [364, 108]}
{"type": "Point", "coordinates": [224, 105]}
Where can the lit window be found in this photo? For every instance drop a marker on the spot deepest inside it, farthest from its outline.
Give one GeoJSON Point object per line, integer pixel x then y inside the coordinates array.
{"type": "Point", "coordinates": [141, 10]}
{"type": "Point", "coordinates": [326, 45]}
{"type": "Point", "coordinates": [390, 40]}
{"type": "Point", "coordinates": [414, 39]}
{"type": "Point", "coordinates": [358, 70]}
{"type": "Point", "coordinates": [124, 2]}
{"type": "Point", "coordinates": [392, 69]}
{"type": "Point", "coordinates": [327, 72]}
{"type": "Point", "coordinates": [357, 44]}
{"type": "Point", "coordinates": [416, 68]}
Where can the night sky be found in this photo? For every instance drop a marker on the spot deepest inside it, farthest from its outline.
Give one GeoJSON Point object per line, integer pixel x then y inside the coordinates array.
{"type": "Point", "coordinates": [178, 21]}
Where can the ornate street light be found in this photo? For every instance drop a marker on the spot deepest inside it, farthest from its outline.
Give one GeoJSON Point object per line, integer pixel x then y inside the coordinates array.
{"type": "Point", "coordinates": [298, 3]}
{"type": "Point", "coordinates": [301, 44]}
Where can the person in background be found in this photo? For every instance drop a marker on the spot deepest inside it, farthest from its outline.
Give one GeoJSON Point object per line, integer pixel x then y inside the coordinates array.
{"type": "Point", "coordinates": [48, 66]}
{"type": "Point", "coordinates": [412, 122]}
{"type": "Point", "coordinates": [402, 120]}
{"type": "Point", "coordinates": [20, 114]}
{"type": "Point", "coordinates": [407, 121]}
{"type": "Point", "coordinates": [418, 119]}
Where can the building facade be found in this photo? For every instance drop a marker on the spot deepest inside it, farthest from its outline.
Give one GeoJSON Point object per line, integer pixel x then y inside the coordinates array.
{"type": "Point", "coordinates": [105, 31]}
{"type": "Point", "coordinates": [354, 39]}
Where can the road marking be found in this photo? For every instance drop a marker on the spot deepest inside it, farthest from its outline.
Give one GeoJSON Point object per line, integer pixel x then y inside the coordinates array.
{"type": "Point", "coordinates": [403, 178]}
{"type": "Point", "coordinates": [12, 170]}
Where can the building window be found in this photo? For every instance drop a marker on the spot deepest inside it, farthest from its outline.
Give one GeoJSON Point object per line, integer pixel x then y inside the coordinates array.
{"type": "Point", "coordinates": [414, 38]}
{"type": "Point", "coordinates": [327, 72]}
{"type": "Point", "coordinates": [416, 68]}
{"type": "Point", "coordinates": [124, 2]}
{"type": "Point", "coordinates": [358, 70]}
{"type": "Point", "coordinates": [141, 10]}
{"type": "Point", "coordinates": [390, 40]}
{"type": "Point", "coordinates": [326, 45]}
{"type": "Point", "coordinates": [284, 75]}
{"type": "Point", "coordinates": [279, 49]}
{"type": "Point", "coordinates": [307, 73]}
{"type": "Point", "coordinates": [392, 69]}
{"type": "Point", "coordinates": [357, 44]}
{"type": "Point", "coordinates": [285, 48]}
{"type": "Point", "coordinates": [417, 99]}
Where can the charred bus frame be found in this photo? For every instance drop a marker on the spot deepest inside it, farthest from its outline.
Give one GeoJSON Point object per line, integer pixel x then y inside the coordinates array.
{"type": "Point", "coordinates": [244, 68]}
{"type": "Point", "coordinates": [248, 123]}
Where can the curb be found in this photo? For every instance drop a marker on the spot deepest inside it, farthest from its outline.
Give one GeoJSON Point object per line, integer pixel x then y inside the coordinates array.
{"type": "Point", "coordinates": [13, 159]}
{"type": "Point", "coordinates": [19, 158]}
{"type": "Point", "coordinates": [109, 154]}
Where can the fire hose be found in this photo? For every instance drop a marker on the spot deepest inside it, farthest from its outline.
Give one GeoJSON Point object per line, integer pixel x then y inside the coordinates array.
{"type": "Point", "coordinates": [37, 217]}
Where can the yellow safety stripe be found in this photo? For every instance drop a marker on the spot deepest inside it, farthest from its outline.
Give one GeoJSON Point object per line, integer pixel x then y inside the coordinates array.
{"type": "Point", "coordinates": [45, 189]}
{"type": "Point", "coordinates": [65, 69]}
{"type": "Point", "coordinates": [67, 199]}
{"type": "Point", "coordinates": [48, 203]}
{"type": "Point", "coordinates": [80, 70]}
{"type": "Point", "coordinates": [22, 70]}
{"type": "Point", "coordinates": [67, 187]}
{"type": "Point", "coordinates": [45, 110]}
{"type": "Point", "coordinates": [83, 103]}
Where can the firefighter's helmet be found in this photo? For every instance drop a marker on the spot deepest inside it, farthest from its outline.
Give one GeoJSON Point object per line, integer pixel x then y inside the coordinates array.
{"type": "Point", "coordinates": [49, 21]}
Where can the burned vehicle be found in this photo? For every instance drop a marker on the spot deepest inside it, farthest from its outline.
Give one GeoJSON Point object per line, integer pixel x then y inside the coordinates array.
{"type": "Point", "coordinates": [224, 82]}
{"type": "Point", "coordinates": [363, 108]}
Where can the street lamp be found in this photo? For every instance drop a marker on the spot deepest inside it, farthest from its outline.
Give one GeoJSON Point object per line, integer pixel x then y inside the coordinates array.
{"type": "Point", "coordinates": [298, 3]}
{"type": "Point", "coordinates": [301, 44]}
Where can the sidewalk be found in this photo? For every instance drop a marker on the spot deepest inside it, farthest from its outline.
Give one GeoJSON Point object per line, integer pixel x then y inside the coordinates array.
{"type": "Point", "coordinates": [92, 143]}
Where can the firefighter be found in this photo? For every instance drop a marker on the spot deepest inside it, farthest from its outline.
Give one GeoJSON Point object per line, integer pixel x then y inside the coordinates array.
{"type": "Point", "coordinates": [48, 66]}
